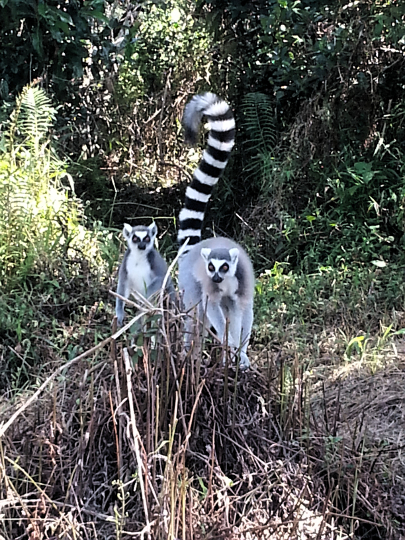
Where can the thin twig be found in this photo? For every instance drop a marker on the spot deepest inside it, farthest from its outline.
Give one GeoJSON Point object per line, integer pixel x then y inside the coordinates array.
{"type": "Point", "coordinates": [137, 438]}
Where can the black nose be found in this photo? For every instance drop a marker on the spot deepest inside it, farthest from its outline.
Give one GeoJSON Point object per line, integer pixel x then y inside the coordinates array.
{"type": "Point", "coordinates": [217, 278]}
{"type": "Point", "coordinates": [141, 245]}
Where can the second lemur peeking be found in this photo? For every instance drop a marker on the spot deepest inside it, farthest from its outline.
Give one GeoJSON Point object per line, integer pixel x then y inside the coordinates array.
{"type": "Point", "coordinates": [142, 269]}
{"type": "Point", "coordinates": [214, 274]}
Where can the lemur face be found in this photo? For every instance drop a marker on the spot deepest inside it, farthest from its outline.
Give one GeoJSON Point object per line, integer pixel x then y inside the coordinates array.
{"type": "Point", "coordinates": [140, 237]}
{"type": "Point", "coordinates": [220, 263]}
{"type": "Point", "coordinates": [141, 240]}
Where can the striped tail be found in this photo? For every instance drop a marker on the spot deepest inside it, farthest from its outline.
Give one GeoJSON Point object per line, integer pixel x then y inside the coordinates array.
{"type": "Point", "coordinates": [215, 157]}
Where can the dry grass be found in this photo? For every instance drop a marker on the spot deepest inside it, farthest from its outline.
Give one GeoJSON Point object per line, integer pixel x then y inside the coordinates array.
{"type": "Point", "coordinates": [145, 440]}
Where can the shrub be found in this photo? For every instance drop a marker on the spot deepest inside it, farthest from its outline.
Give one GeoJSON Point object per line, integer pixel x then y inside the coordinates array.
{"type": "Point", "coordinates": [41, 220]}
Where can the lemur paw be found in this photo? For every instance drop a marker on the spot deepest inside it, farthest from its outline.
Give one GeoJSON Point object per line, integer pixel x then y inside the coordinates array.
{"type": "Point", "coordinates": [244, 363]}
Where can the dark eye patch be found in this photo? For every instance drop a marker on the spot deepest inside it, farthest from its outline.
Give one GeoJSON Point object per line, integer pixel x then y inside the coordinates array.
{"type": "Point", "coordinates": [211, 267]}
{"type": "Point", "coordinates": [225, 267]}
{"type": "Point", "coordinates": [147, 238]}
{"type": "Point", "coordinates": [135, 239]}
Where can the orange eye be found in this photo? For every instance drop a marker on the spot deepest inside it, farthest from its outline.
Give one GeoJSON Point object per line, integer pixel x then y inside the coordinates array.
{"type": "Point", "coordinates": [135, 239]}
{"type": "Point", "coordinates": [147, 238]}
{"type": "Point", "coordinates": [225, 267]}
{"type": "Point", "coordinates": [211, 267]}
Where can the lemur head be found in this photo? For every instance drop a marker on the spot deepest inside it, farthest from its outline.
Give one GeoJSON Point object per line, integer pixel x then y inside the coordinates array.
{"type": "Point", "coordinates": [140, 236]}
{"type": "Point", "coordinates": [220, 263]}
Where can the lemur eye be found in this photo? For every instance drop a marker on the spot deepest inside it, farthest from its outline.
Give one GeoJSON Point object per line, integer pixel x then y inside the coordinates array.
{"type": "Point", "coordinates": [211, 267]}
{"type": "Point", "coordinates": [135, 239]}
{"type": "Point", "coordinates": [147, 238]}
{"type": "Point", "coordinates": [225, 267]}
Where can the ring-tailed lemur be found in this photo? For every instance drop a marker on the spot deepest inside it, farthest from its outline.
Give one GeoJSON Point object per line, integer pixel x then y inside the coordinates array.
{"type": "Point", "coordinates": [143, 269]}
{"type": "Point", "coordinates": [216, 274]}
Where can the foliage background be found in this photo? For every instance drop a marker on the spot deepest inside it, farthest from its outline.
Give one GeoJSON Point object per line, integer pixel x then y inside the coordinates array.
{"type": "Point", "coordinates": [92, 95]}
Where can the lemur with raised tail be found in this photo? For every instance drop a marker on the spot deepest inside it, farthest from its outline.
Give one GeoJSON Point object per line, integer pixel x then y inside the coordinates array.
{"type": "Point", "coordinates": [142, 269]}
{"type": "Point", "coordinates": [216, 274]}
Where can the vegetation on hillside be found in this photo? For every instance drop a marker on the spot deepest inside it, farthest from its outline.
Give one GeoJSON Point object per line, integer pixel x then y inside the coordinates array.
{"type": "Point", "coordinates": [125, 434]}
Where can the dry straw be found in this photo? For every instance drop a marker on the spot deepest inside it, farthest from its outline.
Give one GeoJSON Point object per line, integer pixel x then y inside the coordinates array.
{"type": "Point", "coordinates": [139, 438]}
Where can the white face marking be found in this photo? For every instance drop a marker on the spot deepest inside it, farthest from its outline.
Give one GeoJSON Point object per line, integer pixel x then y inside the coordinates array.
{"type": "Point", "coordinates": [141, 234]}
{"type": "Point", "coordinates": [217, 269]}
{"type": "Point", "coordinates": [218, 263]}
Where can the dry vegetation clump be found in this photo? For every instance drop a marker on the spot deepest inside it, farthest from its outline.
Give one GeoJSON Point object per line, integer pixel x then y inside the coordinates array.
{"type": "Point", "coordinates": [151, 131]}
{"type": "Point", "coordinates": [138, 438]}
{"type": "Point", "coordinates": [360, 413]}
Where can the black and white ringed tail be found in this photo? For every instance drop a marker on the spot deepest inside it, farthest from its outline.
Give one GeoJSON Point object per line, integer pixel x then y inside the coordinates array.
{"type": "Point", "coordinates": [221, 139]}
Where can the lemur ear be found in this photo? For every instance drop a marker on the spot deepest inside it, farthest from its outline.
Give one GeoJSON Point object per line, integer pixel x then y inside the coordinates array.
{"type": "Point", "coordinates": [153, 229]}
{"type": "Point", "coordinates": [205, 253]}
{"type": "Point", "coordinates": [234, 253]}
{"type": "Point", "coordinates": [127, 230]}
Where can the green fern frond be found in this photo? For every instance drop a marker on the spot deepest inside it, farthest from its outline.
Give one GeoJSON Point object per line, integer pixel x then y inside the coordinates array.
{"type": "Point", "coordinates": [37, 114]}
{"type": "Point", "coordinates": [258, 121]}
{"type": "Point", "coordinates": [262, 162]}
{"type": "Point", "coordinates": [31, 120]}
{"type": "Point", "coordinates": [266, 164]}
{"type": "Point", "coordinates": [41, 220]}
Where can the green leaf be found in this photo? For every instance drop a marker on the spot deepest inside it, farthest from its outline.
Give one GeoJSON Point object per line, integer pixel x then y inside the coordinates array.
{"type": "Point", "coordinates": [41, 9]}
{"type": "Point", "coordinates": [62, 26]}
{"type": "Point", "coordinates": [98, 15]}
{"type": "Point", "coordinates": [65, 17]}
{"type": "Point", "coordinates": [37, 42]}
{"type": "Point", "coordinates": [56, 14]}
{"type": "Point", "coordinates": [400, 332]}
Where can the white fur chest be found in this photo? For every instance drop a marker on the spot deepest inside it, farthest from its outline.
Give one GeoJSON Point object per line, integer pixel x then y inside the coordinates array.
{"type": "Point", "coordinates": [228, 287]}
{"type": "Point", "coordinates": [139, 271]}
